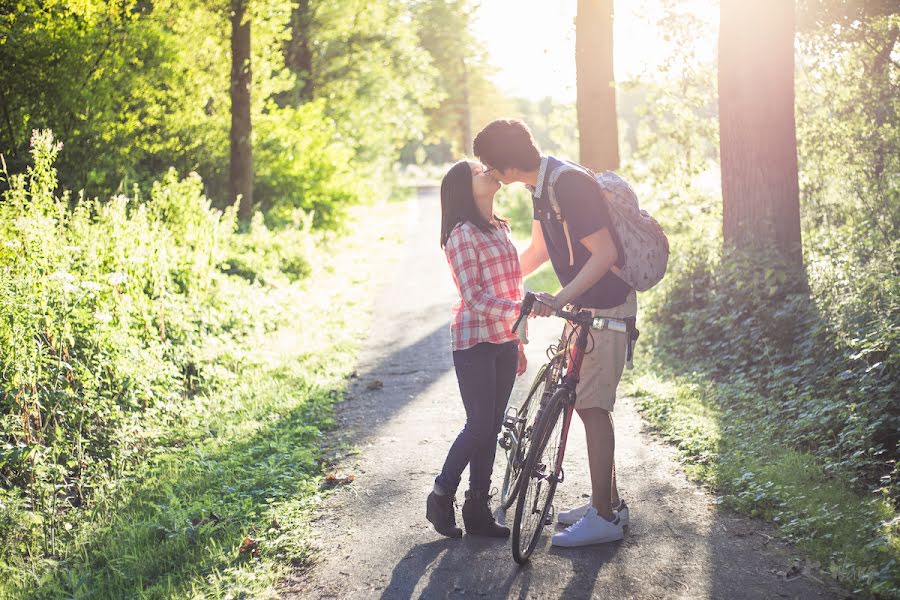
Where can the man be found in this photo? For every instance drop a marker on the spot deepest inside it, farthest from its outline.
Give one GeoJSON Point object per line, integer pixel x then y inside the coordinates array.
{"type": "Point", "coordinates": [582, 248]}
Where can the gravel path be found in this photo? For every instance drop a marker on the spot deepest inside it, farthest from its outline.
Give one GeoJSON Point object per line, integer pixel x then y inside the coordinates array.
{"type": "Point", "coordinates": [371, 536]}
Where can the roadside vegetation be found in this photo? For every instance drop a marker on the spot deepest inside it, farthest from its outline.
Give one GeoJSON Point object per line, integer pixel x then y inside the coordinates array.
{"type": "Point", "coordinates": [779, 385]}
{"type": "Point", "coordinates": [171, 411]}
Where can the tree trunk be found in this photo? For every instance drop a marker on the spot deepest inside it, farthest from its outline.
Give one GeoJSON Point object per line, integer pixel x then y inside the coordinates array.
{"type": "Point", "coordinates": [597, 128]}
{"type": "Point", "coordinates": [465, 114]}
{"type": "Point", "coordinates": [758, 144]}
{"type": "Point", "coordinates": [241, 172]}
{"type": "Point", "coordinates": [298, 55]}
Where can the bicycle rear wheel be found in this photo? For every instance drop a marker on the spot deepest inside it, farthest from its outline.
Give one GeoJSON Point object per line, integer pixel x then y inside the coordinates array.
{"type": "Point", "coordinates": [539, 477]}
{"type": "Point", "coordinates": [519, 429]}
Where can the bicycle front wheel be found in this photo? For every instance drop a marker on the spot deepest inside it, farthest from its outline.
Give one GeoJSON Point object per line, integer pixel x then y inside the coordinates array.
{"type": "Point", "coordinates": [539, 477]}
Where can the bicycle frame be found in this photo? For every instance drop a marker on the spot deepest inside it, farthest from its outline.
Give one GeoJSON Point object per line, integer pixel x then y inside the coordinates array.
{"type": "Point", "coordinates": [570, 382]}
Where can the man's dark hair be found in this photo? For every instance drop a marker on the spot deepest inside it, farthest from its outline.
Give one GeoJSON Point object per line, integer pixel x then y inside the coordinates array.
{"type": "Point", "coordinates": [507, 143]}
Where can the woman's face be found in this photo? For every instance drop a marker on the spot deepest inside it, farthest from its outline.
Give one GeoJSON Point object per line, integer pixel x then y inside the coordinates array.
{"type": "Point", "coordinates": [483, 185]}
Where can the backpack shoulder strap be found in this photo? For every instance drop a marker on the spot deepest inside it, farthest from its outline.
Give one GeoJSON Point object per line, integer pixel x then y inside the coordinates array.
{"type": "Point", "coordinates": [554, 202]}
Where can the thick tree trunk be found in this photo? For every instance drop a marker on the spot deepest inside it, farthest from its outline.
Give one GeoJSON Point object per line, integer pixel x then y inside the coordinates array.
{"type": "Point", "coordinates": [758, 144]}
{"type": "Point", "coordinates": [241, 173]}
{"type": "Point", "coordinates": [597, 128]}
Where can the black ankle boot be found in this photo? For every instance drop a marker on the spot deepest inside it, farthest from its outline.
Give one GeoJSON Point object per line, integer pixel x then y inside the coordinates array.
{"type": "Point", "coordinates": [477, 516]}
{"type": "Point", "coordinates": [439, 512]}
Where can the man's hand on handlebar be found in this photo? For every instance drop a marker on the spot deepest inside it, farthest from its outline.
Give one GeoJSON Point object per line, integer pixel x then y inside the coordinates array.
{"type": "Point", "coordinates": [546, 305]}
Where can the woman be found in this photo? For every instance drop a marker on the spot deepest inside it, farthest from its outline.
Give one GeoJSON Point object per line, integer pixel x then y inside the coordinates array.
{"type": "Point", "coordinates": [487, 357]}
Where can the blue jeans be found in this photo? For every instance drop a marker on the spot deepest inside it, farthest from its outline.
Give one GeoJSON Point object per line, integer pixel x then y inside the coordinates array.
{"type": "Point", "coordinates": [486, 373]}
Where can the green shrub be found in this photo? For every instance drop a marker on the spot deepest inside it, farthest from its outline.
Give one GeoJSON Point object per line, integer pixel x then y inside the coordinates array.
{"type": "Point", "coordinates": [302, 163]}
{"type": "Point", "coordinates": [103, 309]}
{"type": "Point", "coordinates": [824, 389]}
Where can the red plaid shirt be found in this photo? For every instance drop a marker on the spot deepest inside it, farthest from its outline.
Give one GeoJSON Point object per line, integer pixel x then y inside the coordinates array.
{"type": "Point", "coordinates": [487, 275]}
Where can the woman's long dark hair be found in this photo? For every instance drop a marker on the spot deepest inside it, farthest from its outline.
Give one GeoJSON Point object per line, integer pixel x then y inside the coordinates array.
{"type": "Point", "coordinates": [458, 202]}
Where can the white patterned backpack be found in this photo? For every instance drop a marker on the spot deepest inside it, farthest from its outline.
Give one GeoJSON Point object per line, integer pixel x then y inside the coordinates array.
{"type": "Point", "coordinates": [643, 241]}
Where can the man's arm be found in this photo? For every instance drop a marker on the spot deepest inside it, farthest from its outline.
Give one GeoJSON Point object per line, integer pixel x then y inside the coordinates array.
{"type": "Point", "coordinates": [536, 253]}
{"type": "Point", "coordinates": [603, 256]}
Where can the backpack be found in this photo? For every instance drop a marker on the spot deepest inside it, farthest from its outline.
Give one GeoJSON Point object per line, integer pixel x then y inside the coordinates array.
{"type": "Point", "coordinates": [642, 240]}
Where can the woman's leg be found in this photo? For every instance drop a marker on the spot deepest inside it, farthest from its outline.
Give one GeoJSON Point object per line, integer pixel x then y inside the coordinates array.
{"type": "Point", "coordinates": [477, 515]}
{"type": "Point", "coordinates": [476, 377]}
{"type": "Point", "coordinates": [482, 464]}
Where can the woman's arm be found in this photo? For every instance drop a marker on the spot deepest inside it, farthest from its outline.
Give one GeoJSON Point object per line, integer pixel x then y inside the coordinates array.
{"type": "Point", "coordinates": [463, 259]}
{"type": "Point", "coordinates": [536, 253]}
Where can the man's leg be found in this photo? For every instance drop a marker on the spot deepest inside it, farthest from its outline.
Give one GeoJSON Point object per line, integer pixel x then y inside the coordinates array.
{"type": "Point", "coordinates": [599, 524]}
{"type": "Point", "coordinates": [614, 490]}
{"type": "Point", "coordinates": [601, 444]}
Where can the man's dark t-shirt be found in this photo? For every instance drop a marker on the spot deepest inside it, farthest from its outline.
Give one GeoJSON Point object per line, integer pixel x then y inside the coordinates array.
{"type": "Point", "coordinates": [585, 213]}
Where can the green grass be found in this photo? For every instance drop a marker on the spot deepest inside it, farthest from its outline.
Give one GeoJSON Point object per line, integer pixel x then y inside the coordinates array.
{"type": "Point", "coordinates": [543, 280]}
{"type": "Point", "coordinates": [243, 458]}
{"type": "Point", "coordinates": [725, 444]}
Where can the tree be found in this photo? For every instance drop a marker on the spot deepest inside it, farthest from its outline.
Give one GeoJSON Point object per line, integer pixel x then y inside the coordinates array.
{"type": "Point", "coordinates": [596, 94]}
{"type": "Point", "coordinates": [241, 169]}
{"type": "Point", "coordinates": [468, 99]}
{"type": "Point", "coordinates": [848, 97]}
{"type": "Point", "coordinates": [298, 55]}
{"type": "Point", "coordinates": [758, 146]}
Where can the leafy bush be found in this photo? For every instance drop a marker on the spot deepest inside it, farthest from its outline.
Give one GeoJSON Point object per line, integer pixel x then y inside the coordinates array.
{"type": "Point", "coordinates": [104, 309]}
{"type": "Point", "coordinates": [302, 163]}
{"type": "Point", "coordinates": [826, 389]}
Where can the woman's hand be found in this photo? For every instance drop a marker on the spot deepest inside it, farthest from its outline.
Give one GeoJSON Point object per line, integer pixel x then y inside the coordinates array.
{"type": "Point", "coordinates": [523, 362]}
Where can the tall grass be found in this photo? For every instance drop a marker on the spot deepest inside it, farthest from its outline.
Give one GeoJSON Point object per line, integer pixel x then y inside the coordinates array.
{"type": "Point", "coordinates": [111, 316]}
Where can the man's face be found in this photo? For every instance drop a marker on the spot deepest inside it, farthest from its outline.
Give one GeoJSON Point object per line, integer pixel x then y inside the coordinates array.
{"type": "Point", "coordinates": [505, 177]}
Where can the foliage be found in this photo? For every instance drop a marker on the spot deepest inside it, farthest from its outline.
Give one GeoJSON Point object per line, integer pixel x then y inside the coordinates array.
{"type": "Point", "coordinates": [819, 389]}
{"type": "Point", "coordinates": [791, 373]}
{"type": "Point", "coordinates": [103, 308]}
{"type": "Point", "coordinates": [166, 383]}
{"type": "Point", "coordinates": [136, 87]}
{"type": "Point", "coordinates": [374, 79]}
{"type": "Point", "coordinates": [302, 163]}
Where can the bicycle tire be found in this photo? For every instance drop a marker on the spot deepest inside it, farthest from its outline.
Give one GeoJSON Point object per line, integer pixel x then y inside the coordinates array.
{"type": "Point", "coordinates": [528, 522]}
{"type": "Point", "coordinates": [517, 453]}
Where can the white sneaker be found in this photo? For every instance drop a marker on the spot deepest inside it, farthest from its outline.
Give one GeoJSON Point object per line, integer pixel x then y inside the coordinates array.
{"type": "Point", "coordinates": [622, 511]}
{"type": "Point", "coordinates": [571, 516]}
{"type": "Point", "coordinates": [590, 529]}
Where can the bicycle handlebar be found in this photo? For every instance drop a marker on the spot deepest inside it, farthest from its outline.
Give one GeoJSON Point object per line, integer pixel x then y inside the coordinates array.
{"type": "Point", "coordinates": [586, 319]}
{"type": "Point", "coordinates": [525, 310]}
{"type": "Point", "coordinates": [581, 318]}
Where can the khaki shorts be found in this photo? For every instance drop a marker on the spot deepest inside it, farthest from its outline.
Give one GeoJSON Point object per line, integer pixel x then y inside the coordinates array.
{"type": "Point", "coordinates": [602, 366]}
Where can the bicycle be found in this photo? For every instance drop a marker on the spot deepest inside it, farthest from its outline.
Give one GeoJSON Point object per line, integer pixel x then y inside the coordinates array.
{"type": "Point", "coordinates": [536, 441]}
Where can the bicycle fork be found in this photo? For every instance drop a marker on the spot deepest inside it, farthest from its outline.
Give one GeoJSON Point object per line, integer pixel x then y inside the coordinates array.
{"type": "Point", "coordinates": [558, 475]}
{"type": "Point", "coordinates": [558, 472]}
